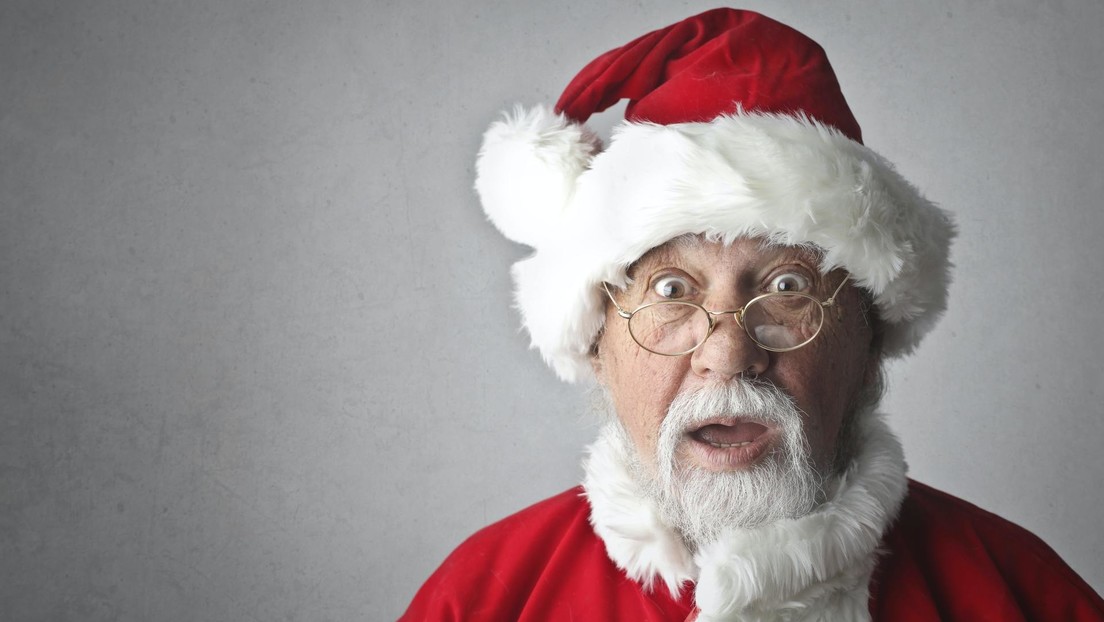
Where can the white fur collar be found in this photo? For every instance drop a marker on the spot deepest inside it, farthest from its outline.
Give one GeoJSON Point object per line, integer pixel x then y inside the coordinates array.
{"type": "Point", "coordinates": [812, 568]}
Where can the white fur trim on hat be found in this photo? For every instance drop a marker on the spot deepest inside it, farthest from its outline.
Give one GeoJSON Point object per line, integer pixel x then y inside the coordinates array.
{"type": "Point", "coordinates": [526, 171]}
{"type": "Point", "coordinates": [589, 215]}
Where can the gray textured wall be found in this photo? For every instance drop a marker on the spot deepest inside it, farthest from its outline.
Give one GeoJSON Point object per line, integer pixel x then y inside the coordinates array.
{"type": "Point", "coordinates": [257, 360]}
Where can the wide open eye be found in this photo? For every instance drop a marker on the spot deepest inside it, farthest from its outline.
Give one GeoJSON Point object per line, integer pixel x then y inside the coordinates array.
{"type": "Point", "coordinates": [789, 282]}
{"type": "Point", "coordinates": [671, 288]}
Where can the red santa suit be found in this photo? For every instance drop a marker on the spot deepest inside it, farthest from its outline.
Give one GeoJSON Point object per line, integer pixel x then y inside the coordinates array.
{"type": "Point", "coordinates": [735, 126]}
{"type": "Point", "coordinates": [882, 548]}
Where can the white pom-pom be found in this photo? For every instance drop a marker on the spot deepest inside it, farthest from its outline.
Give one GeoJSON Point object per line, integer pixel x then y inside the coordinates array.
{"type": "Point", "coordinates": [526, 171]}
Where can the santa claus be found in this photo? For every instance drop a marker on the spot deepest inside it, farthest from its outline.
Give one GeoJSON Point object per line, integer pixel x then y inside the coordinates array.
{"type": "Point", "coordinates": [732, 271]}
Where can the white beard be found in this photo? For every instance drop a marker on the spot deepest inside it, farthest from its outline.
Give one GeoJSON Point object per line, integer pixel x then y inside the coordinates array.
{"type": "Point", "coordinates": [701, 504]}
{"type": "Point", "coordinates": [815, 566]}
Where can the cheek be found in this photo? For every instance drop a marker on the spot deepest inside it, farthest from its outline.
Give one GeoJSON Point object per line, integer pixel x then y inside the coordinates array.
{"type": "Point", "coordinates": [816, 394]}
{"type": "Point", "coordinates": [826, 379]}
{"type": "Point", "coordinates": [641, 385]}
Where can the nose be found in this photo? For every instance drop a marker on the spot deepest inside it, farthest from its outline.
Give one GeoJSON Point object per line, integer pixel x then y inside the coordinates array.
{"type": "Point", "coordinates": [729, 352]}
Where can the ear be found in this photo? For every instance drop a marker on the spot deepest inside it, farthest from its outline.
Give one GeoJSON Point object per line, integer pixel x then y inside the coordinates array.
{"type": "Point", "coordinates": [877, 335]}
{"type": "Point", "coordinates": [874, 371]}
{"type": "Point", "coordinates": [596, 359]}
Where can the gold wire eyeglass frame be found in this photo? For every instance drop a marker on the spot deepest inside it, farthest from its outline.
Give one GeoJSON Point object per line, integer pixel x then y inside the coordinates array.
{"type": "Point", "coordinates": [737, 314]}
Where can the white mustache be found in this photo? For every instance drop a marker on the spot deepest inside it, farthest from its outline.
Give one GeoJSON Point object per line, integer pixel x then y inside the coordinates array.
{"type": "Point", "coordinates": [757, 399]}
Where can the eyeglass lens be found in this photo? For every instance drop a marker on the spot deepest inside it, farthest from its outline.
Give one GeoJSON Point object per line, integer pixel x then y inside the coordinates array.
{"type": "Point", "coordinates": [776, 322]}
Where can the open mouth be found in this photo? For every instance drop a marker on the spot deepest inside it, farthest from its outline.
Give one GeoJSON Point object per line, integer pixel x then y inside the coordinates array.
{"type": "Point", "coordinates": [731, 443]}
{"type": "Point", "coordinates": [735, 434]}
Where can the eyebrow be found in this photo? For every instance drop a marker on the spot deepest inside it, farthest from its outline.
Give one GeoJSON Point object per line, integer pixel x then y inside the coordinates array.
{"type": "Point", "coordinates": [666, 253]}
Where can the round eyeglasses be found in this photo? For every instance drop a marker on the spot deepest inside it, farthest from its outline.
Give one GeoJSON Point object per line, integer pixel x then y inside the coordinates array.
{"type": "Point", "coordinates": [778, 322]}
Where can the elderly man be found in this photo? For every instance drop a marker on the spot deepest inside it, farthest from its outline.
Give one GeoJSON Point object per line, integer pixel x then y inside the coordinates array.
{"type": "Point", "coordinates": [732, 270]}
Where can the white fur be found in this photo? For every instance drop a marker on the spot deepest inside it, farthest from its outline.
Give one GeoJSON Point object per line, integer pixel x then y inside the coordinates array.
{"type": "Point", "coordinates": [785, 178]}
{"type": "Point", "coordinates": [526, 171]}
{"type": "Point", "coordinates": [812, 568]}
{"type": "Point", "coordinates": [636, 538]}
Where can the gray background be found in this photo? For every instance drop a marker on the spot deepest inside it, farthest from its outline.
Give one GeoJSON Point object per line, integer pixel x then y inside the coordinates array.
{"type": "Point", "coordinates": [257, 360]}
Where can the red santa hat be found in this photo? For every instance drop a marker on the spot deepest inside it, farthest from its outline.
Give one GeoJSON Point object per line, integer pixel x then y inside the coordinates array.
{"type": "Point", "coordinates": [735, 127]}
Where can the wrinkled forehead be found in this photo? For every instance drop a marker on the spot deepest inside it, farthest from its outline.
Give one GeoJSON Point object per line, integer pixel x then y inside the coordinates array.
{"type": "Point", "coordinates": [758, 250]}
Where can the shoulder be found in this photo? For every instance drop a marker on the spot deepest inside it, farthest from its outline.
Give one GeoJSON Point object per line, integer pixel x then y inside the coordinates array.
{"type": "Point", "coordinates": [963, 562]}
{"type": "Point", "coordinates": [967, 531]}
{"type": "Point", "coordinates": [560, 512]}
{"type": "Point", "coordinates": [495, 571]}
{"type": "Point", "coordinates": [933, 511]}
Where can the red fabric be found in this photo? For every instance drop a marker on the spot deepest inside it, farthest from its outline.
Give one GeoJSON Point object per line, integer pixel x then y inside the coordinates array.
{"type": "Point", "coordinates": [951, 560]}
{"type": "Point", "coordinates": [543, 563]}
{"type": "Point", "coordinates": [946, 560]}
{"type": "Point", "coordinates": [705, 66]}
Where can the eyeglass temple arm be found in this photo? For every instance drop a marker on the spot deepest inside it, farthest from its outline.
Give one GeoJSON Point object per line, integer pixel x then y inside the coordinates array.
{"type": "Point", "coordinates": [832, 299]}
{"type": "Point", "coordinates": [623, 313]}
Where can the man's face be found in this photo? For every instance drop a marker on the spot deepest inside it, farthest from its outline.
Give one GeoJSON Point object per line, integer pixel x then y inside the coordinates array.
{"type": "Point", "coordinates": [822, 379]}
